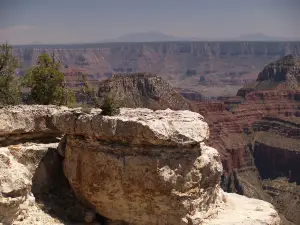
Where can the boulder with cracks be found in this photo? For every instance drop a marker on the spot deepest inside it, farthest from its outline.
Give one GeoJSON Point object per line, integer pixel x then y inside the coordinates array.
{"type": "Point", "coordinates": [140, 167]}
{"type": "Point", "coordinates": [152, 167]}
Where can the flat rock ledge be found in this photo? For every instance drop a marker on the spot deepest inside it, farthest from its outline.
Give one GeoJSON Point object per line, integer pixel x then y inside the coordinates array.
{"type": "Point", "coordinates": [141, 167]}
{"type": "Point", "coordinates": [136, 126]}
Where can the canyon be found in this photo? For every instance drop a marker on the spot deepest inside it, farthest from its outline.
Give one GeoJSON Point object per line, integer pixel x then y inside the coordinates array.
{"type": "Point", "coordinates": [256, 132]}
{"type": "Point", "coordinates": [211, 68]}
{"type": "Point", "coordinates": [259, 137]}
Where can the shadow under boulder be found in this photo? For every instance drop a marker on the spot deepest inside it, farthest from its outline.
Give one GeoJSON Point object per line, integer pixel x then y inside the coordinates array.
{"type": "Point", "coordinates": [53, 193]}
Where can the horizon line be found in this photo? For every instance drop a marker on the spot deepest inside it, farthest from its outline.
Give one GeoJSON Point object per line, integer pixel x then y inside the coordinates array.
{"type": "Point", "coordinates": [150, 42]}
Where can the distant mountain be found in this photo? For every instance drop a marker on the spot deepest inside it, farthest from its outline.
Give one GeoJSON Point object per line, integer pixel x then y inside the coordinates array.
{"type": "Point", "coordinates": [262, 37]}
{"type": "Point", "coordinates": [150, 36]}
{"type": "Point", "coordinates": [36, 43]}
{"type": "Point", "coordinates": [157, 36]}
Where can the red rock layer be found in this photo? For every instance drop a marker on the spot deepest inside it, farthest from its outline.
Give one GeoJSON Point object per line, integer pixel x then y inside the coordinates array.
{"type": "Point", "coordinates": [226, 135]}
{"type": "Point", "coordinates": [261, 103]}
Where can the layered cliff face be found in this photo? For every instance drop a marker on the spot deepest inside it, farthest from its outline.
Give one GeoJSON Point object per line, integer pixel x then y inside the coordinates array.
{"type": "Point", "coordinates": [140, 167]}
{"type": "Point", "coordinates": [254, 163]}
{"type": "Point", "coordinates": [142, 90]}
{"type": "Point", "coordinates": [286, 69]}
{"type": "Point", "coordinates": [276, 149]}
{"type": "Point", "coordinates": [232, 139]}
{"type": "Point", "coordinates": [184, 64]}
{"type": "Point", "coordinates": [282, 74]}
{"type": "Point", "coordinates": [270, 115]}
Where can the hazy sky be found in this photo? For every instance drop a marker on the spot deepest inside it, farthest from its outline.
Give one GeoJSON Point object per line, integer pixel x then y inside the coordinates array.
{"type": "Point", "coordinates": [67, 21]}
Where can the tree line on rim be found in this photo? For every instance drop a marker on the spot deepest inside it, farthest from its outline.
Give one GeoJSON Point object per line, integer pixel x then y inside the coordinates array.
{"type": "Point", "coordinates": [46, 85]}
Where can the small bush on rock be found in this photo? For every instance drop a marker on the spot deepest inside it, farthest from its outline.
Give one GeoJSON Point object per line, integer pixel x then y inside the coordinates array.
{"type": "Point", "coordinates": [109, 107]}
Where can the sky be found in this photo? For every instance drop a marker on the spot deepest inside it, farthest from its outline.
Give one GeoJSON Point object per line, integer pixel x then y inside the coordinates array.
{"type": "Point", "coordinates": [84, 21]}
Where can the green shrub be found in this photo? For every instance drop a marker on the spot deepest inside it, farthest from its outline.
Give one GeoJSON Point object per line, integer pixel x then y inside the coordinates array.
{"type": "Point", "coordinates": [47, 84]}
{"type": "Point", "coordinates": [109, 107]}
{"type": "Point", "coordinates": [9, 85]}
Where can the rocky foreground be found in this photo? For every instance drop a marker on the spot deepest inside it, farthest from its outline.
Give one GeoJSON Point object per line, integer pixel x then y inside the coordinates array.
{"type": "Point", "coordinates": [139, 167]}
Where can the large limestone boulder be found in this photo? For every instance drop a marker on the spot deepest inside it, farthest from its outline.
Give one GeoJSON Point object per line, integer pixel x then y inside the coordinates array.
{"type": "Point", "coordinates": [141, 167]}
{"type": "Point", "coordinates": [151, 167]}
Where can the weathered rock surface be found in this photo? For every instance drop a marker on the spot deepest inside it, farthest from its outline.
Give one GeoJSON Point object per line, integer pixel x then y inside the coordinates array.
{"type": "Point", "coordinates": [136, 126]}
{"type": "Point", "coordinates": [31, 154]}
{"type": "Point", "coordinates": [285, 69]}
{"type": "Point", "coordinates": [32, 165]}
{"type": "Point", "coordinates": [139, 167]}
{"type": "Point", "coordinates": [19, 164]}
{"type": "Point", "coordinates": [14, 186]}
{"type": "Point", "coordinates": [251, 210]}
{"type": "Point", "coordinates": [150, 167]}
{"type": "Point", "coordinates": [21, 123]}
{"type": "Point", "coordinates": [36, 169]}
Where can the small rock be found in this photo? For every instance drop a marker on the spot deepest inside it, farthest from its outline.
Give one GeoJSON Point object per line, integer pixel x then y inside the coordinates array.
{"type": "Point", "coordinates": [89, 216]}
{"type": "Point", "coordinates": [31, 200]}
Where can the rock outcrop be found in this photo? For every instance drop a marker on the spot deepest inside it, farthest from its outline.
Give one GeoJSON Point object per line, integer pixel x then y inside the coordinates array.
{"type": "Point", "coordinates": [31, 168]}
{"type": "Point", "coordinates": [282, 74]}
{"type": "Point", "coordinates": [232, 134]}
{"type": "Point", "coordinates": [18, 166]}
{"type": "Point", "coordinates": [151, 167]}
{"type": "Point", "coordinates": [286, 69]}
{"type": "Point", "coordinates": [139, 167]}
{"type": "Point", "coordinates": [24, 123]}
{"type": "Point", "coordinates": [142, 90]}
{"type": "Point", "coordinates": [14, 186]}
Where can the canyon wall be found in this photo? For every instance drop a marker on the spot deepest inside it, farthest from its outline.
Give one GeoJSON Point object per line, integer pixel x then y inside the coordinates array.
{"type": "Point", "coordinates": [257, 136]}
{"type": "Point", "coordinates": [190, 65]}
{"type": "Point", "coordinates": [258, 141]}
{"type": "Point", "coordinates": [276, 149]}
{"type": "Point", "coordinates": [270, 117]}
